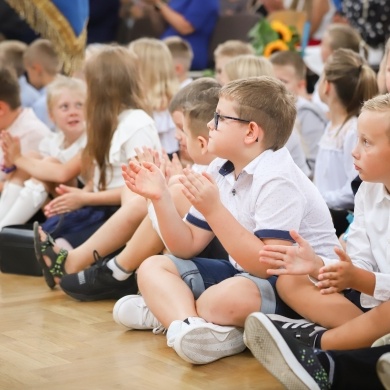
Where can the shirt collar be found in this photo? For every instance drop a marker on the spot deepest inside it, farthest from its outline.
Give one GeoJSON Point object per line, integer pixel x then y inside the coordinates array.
{"type": "Point", "coordinates": [382, 194]}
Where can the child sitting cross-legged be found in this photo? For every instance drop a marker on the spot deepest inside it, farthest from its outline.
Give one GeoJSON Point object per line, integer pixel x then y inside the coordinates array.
{"type": "Point", "coordinates": [349, 301]}
{"type": "Point", "coordinates": [250, 196]}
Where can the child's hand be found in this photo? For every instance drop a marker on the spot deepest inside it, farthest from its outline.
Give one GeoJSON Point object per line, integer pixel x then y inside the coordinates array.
{"type": "Point", "coordinates": [11, 148]}
{"type": "Point", "coordinates": [70, 199]}
{"type": "Point", "coordinates": [336, 277]}
{"type": "Point", "coordinates": [201, 190]}
{"type": "Point", "coordinates": [289, 260]}
{"type": "Point", "coordinates": [146, 180]}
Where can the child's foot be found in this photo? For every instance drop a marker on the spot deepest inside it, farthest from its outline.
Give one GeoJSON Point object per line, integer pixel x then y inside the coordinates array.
{"type": "Point", "coordinates": [131, 312]}
{"type": "Point", "coordinates": [51, 258]}
{"type": "Point", "coordinates": [295, 364]}
{"type": "Point", "coordinates": [383, 370]}
{"type": "Point", "coordinates": [205, 342]}
{"type": "Point", "coordinates": [97, 282]}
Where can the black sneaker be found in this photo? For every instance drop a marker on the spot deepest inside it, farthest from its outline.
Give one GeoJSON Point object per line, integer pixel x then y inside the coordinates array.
{"type": "Point", "coordinates": [292, 362]}
{"type": "Point", "coordinates": [97, 283]}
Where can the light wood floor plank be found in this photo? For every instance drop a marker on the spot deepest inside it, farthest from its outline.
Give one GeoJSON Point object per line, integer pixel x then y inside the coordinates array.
{"type": "Point", "coordinates": [49, 341]}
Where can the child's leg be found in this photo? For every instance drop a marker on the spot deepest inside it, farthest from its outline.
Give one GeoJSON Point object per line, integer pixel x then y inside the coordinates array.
{"type": "Point", "coordinates": [229, 302]}
{"type": "Point", "coordinates": [165, 293]}
{"type": "Point", "coordinates": [359, 332]}
{"type": "Point", "coordinates": [114, 234]}
{"type": "Point", "coordinates": [330, 311]}
{"type": "Point", "coordinates": [31, 198]}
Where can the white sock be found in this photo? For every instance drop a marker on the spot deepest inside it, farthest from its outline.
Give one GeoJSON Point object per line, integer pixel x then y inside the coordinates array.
{"type": "Point", "coordinates": [117, 271]}
{"type": "Point", "coordinates": [31, 198]}
{"type": "Point", "coordinates": [10, 192]}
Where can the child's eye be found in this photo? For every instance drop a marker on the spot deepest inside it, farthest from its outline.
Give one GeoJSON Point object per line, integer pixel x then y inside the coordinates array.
{"type": "Point", "coordinates": [79, 105]}
{"type": "Point", "coordinates": [365, 142]}
{"type": "Point", "coordinates": [63, 106]}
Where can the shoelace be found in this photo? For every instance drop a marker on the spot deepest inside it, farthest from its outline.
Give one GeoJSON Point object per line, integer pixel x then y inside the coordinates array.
{"type": "Point", "coordinates": [159, 329]}
{"type": "Point", "coordinates": [291, 325]}
{"type": "Point", "coordinates": [149, 319]}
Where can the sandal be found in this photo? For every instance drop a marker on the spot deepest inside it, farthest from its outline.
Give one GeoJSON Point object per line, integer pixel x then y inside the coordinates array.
{"type": "Point", "coordinates": [57, 260]}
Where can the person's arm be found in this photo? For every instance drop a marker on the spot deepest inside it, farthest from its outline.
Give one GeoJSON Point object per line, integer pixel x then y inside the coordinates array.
{"type": "Point", "coordinates": [175, 19]}
{"type": "Point", "coordinates": [37, 168]}
{"type": "Point", "coordinates": [241, 244]}
{"type": "Point", "coordinates": [318, 11]}
{"type": "Point", "coordinates": [182, 239]}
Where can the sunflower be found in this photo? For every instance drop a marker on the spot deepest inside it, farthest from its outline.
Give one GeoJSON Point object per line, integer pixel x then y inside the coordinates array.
{"type": "Point", "coordinates": [273, 46]}
{"type": "Point", "coordinates": [283, 30]}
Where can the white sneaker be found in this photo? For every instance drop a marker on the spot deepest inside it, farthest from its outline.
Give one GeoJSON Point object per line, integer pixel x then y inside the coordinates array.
{"type": "Point", "coordinates": [383, 370]}
{"type": "Point", "coordinates": [131, 312]}
{"type": "Point", "coordinates": [206, 342]}
{"type": "Point", "coordinates": [384, 340]}
{"type": "Point", "coordinates": [179, 326]}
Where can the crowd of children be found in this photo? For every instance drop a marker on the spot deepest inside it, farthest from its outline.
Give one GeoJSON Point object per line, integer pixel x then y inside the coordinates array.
{"type": "Point", "coordinates": [209, 208]}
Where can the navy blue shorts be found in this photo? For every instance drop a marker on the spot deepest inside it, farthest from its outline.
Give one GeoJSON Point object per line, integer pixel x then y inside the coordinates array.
{"type": "Point", "coordinates": [201, 273]}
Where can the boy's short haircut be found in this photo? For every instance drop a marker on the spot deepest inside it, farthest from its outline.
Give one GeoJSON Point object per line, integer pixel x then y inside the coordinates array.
{"type": "Point", "coordinates": [181, 50]}
{"type": "Point", "coordinates": [292, 58]}
{"type": "Point", "coordinates": [266, 101]}
{"type": "Point", "coordinates": [11, 53]}
{"type": "Point", "coordinates": [10, 90]}
{"type": "Point", "coordinates": [201, 100]}
{"type": "Point", "coordinates": [60, 83]}
{"type": "Point", "coordinates": [232, 48]}
{"type": "Point", "coordinates": [42, 51]}
{"type": "Point", "coordinates": [380, 103]}
{"type": "Point", "coordinates": [248, 65]}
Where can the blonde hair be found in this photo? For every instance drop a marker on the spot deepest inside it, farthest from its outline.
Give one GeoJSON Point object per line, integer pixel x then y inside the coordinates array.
{"type": "Point", "coordinates": [380, 103]}
{"type": "Point", "coordinates": [56, 87]}
{"type": "Point", "coordinates": [158, 76]}
{"type": "Point", "coordinates": [266, 101]}
{"type": "Point", "coordinates": [232, 48]}
{"type": "Point", "coordinates": [181, 51]}
{"type": "Point", "coordinates": [248, 65]}
{"type": "Point", "coordinates": [113, 85]}
{"type": "Point", "coordinates": [290, 58]}
{"type": "Point", "coordinates": [353, 79]}
{"type": "Point", "coordinates": [42, 51]}
{"type": "Point", "coordinates": [12, 52]}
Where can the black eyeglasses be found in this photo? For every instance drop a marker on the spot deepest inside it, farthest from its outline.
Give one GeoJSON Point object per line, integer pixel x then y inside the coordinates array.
{"type": "Point", "coordinates": [217, 116]}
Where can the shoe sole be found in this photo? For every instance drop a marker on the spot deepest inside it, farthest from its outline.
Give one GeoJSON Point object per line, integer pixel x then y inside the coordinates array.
{"type": "Point", "coordinates": [202, 345]}
{"type": "Point", "coordinates": [49, 278]}
{"type": "Point", "coordinates": [98, 297]}
{"type": "Point", "coordinates": [383, 370]}
{"type": "Point", "coordinates": [269, 348]}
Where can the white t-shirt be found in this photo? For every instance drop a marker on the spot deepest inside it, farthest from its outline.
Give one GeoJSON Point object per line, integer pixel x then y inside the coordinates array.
{"type": "Point", "coordinates": [334, 170]}
{"type": "Point", "coordinates": [30, 130]}
{"type": "Point", "coordinates": [52, 146]}
{"type": "Point", "coordinates": [135, 130]}
{"type": "Point", "coordinates": [270, 197]}
{"type": "Point", "coordinates": [166, 130]}
{"type": "Point", "coordinates": [368, 242]}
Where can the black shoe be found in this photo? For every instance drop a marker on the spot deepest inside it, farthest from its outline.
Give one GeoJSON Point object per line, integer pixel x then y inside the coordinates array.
{"type": "Point", "coordinates": [97, 283]}
{"type": "Point", "coordinates": [292, 362]}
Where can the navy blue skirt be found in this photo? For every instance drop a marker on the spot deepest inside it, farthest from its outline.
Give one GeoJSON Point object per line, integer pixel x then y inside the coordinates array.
{"type": "Point", "coordinates": [77, 226]}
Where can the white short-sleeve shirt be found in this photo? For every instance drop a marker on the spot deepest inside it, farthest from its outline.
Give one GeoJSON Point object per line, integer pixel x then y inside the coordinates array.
{"type": "Point", "coordinates": [135, 130]}
{"type": "Point", "coordinates": [270, 197]}
{"type": "Point", "coordinates": [334, 169]}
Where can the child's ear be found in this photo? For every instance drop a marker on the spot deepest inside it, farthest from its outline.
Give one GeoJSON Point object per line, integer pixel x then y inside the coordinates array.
{"type": "Point", "coordinates": [203, 144]}
{"type": "Point", "coordinates": [254, 133]}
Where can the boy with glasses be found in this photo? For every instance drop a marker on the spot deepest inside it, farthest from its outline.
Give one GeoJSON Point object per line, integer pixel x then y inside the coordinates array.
{"type": "Point", "coordinates": [253, 194]}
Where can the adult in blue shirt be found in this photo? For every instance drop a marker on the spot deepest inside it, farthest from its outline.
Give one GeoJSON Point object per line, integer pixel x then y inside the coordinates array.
{"type": "Point", "coordinates": [193, 20]}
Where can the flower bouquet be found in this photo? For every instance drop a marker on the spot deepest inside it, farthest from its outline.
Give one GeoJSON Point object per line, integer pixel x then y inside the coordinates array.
{"type": "Point", "coordinates": [267, 37]}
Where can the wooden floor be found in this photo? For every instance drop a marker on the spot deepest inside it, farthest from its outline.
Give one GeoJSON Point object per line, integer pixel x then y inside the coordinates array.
{"type": "Point", "coordinates": [49, 341]}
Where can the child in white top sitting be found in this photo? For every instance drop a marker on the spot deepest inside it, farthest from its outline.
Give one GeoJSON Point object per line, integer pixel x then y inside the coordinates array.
{"type": "Point", "coordinates": [346, 82]}
{"type": "Point", "coordinates": [65, 101]}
